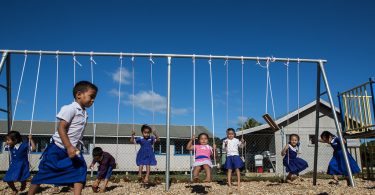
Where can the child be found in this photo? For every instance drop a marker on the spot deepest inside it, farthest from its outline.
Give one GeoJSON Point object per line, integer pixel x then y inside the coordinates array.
{"type": "Point", "coordinates": [293, 164]}
{"type": "Point", "coordinates": [145, 155]}
{"type": "Point", "coordinates": [337, 165]}
{"type": "Point", "coordinates": [233, 160]}
{"type": "Point", "coordinates": [19, 162]}
{"type": "Point", "coordinates": [106, 164]}
{"type": "Point", "coordinates": [203, 154]}
{"type": "Point", "coordinates": [62, 163]}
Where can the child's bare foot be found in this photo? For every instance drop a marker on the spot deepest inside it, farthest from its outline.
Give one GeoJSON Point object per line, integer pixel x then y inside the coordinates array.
{"type": "Point", "coordinates": [196, 180]}
{"type": "Point", "coordinates": [229, 184]}
{"type": "Point", "coordinates": [145, 180]}
{"type": "Point", "coordinates": [102, 190]}
{"type": "Point", "coordinates": [139, 178]}
{"type": "Point", "coordinates": [207, 180]}
{"type": "Point", "coordinates": [289, 181]}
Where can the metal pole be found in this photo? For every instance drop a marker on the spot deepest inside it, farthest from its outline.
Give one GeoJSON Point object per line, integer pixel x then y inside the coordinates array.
{"type": "Point", "coordinates": [321, 65]}
{"type": "Point", "coordinates": [9, 93]}
{"type": "Point", "coordinates": [4, 56]}
{"type": "Point", "coordinates": [372, 95]}
{"type": "Point", "coordinates": [317, 113]}
{"type": "Point", "coordinates": [93, 144]}
{"type": "Point", "coordinates": [167, 164]}
{"type": "Point", "coordinates": [191, 155]}
{"type": "Point", "coordinates": [282, 146]}
{"type": "Point", "coordinates": [341, 112]}
{"type": "Point", "coordinates": [118, 54]}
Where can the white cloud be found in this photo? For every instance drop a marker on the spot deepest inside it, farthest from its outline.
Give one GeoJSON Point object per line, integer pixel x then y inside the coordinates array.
{"type": "Point", "coordinates": [115, 92]}
{"type": "Point", "coordinates": [241, 119]}
{"type": "Point", "coordinates": [151, 101]}
{"type": "Point", "coordinates": [125, 76]}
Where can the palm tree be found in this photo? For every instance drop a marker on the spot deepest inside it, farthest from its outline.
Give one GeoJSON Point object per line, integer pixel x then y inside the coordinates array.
{"type": "Point", "coordinates": [249, 123]}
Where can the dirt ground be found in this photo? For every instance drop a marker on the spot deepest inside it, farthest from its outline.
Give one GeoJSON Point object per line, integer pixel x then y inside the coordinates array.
{"type": "Point", "coordinates": [254, 187]}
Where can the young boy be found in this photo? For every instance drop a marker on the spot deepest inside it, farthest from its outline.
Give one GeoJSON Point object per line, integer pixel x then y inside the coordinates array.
{"type": "Point", "coordinates": [62, 163]}
{"type": "Point", "coordinates": [106, 164]}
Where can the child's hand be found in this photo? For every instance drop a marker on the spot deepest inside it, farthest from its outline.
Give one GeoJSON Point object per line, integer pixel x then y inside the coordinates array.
{"type": "Point", "coordinates": [30, 136]}
{"type": "Point", "coordinates": [155, 132]}
{"type": "Point", "coordinates": [92, 166]}
{"type": "Point", "coordinates": [72, 151]}
{"type": "Point", "coordinates": [133, 133]}
{"type": "Point", "coordinates": [214, 146]}
{"type": "Point", "coordinates": [193, 137]}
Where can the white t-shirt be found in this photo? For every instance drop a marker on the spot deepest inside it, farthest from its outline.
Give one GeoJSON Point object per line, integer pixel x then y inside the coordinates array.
{"type": "Point", "coordinates": [232, 146]}
{"type": "Point", "coordinates": [77, 118]}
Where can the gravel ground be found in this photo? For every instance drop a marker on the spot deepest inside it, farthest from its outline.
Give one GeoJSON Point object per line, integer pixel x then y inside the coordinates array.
{"type": "Point", "coordinates": [254, 187]}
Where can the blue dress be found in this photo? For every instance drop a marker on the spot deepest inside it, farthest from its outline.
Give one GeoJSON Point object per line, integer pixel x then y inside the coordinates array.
{"type": "Point", "coordinates": [145, 155]}
{"type": "Point", "coordinates": [293, 164]}
{"type": "Point", "coordinates": [19, 164]}
{"type": "Point", "coordinates": [337, 164]}
{"type": "Point", "coordinates": [57, 168]}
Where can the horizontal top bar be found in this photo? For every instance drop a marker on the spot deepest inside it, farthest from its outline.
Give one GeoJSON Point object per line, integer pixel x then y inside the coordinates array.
{"type": "Point", "coordinates": [355, 88]}
{"type": "Point", "coordinates": [163, 55]}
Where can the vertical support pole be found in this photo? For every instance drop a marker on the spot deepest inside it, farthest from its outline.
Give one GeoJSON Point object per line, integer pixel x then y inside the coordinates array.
{"type": "Point", "coordinates": [9, 92]}
{"type": "Point", "coordinates": [191, 156]}
{"type": "Point", "coordinates": [317, 112]}
{"type": "Point", "coordinates": [339, 133]}
{"type": "Point", "coordinates": [341, 113]}
{"type": "Point", "coordinates": [282, 133]}
{"type": "Point", "coordinates": [167, 164]}
{"type": "Point", "coordinates": [93, 144]}
{"type": "Point", "coordinates": [372, 96]}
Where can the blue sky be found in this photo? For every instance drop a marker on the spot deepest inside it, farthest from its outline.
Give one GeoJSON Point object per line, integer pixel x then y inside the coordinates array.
{"type": "Point", "coordinates": [339, 31]}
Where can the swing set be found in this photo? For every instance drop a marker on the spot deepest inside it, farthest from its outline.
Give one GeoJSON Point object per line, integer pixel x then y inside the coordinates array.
{"type": "Point", "coordinates": [6, 62]}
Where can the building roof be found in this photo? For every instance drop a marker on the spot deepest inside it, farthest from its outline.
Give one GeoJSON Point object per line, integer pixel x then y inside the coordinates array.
{"type": "Point", "coordinates": [103, 129]}
{"type": "Point", "coordinates": [291, 116]}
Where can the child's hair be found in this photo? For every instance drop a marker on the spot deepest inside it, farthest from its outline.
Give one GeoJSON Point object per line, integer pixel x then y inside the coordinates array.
{"type": "Point", "coordinates": [145, 126]}
{"type": "Point", "coordinates": [326, 134]}
{"type": "Point", "coordinates": [231, 129]}
{"type": "Point", "coordinates": [293, 135]}
{"type": "Point", "coordinates": [201, 134]}
{"type": "Point", "coordinates": [97, 151]}
{"type": "Point", "coordinates": [83, 86]}
{"type": "Point", "coordinates": [15, 136]}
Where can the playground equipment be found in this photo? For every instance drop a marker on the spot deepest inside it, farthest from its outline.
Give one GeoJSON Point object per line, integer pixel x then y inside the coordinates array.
{"type": "Point", "coordinates": [6, 59]}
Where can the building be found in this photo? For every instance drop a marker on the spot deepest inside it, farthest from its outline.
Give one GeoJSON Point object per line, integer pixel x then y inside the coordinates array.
{"type": "Point", "coordinates": [262, 140]}
{"type": "Point", "coordinates": [117, 144]}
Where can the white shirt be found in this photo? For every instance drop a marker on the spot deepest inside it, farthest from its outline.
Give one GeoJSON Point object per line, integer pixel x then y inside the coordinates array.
{"type": "Point", "coordinates": [232, 146]}
{"type": "Point", "coordinates": [77, 118]}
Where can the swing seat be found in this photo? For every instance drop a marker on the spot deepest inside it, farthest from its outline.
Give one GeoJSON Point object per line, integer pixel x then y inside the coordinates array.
{"type": "Point", "coordinates": [274, 126]}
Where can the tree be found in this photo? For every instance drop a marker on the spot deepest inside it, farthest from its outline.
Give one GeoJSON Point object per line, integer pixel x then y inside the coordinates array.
{"type": "Point", "coordinates": [249, 123]}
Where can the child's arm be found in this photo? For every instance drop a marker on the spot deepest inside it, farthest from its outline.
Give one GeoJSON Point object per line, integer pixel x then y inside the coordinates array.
{"type": "Point", "coordinates": [31, 141]}
{"type": "Point", "coordinates": [132, 140]}
{"type": "Point", "coordinates": [190, 143]}
{"type": "Point", "coordinates": [283, 152]}
{"type": "Point", "coordinates": [62, 130]}
{"type": "Point", "coordinates": [156, 136]}
{"type": "Point", "coordinates": [214, 150]}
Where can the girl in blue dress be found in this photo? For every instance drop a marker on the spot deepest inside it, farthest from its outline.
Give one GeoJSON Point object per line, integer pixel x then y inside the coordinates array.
{"type": "Point", "coordinates": [19, 162]}
{"type": "Point", "coordinates": [145, 155]}
{"type": "Point", "coordinates": [293, 164]}
{"type": "Point", "coordinates": [337, 165]}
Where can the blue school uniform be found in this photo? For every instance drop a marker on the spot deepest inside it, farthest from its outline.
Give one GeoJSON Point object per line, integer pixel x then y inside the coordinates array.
{"type": "Point", "coordinates": [19, 163]}
{"type": "Point", "coordinates": [145, 155]}
{"type": "Point", "coordinates": [292, 163]}
{"type": "Point", "coordinates": [337, 164]}
{"type": "Point", "coordinates": [56, 167]}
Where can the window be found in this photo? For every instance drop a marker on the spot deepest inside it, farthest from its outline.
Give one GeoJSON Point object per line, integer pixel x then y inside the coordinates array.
{"type": "Point", "coordinates": [160, 147]}
{"type": "Point", "coordinates": [312, 140]}
{"type": "Point", "coordinates": [180, 146]}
